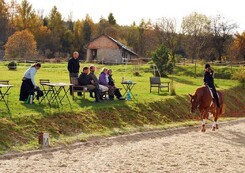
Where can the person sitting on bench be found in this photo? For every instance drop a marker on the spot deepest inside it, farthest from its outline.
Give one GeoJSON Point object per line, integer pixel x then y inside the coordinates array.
{"type": "Point", "coordinates": [103, 79]}
{"type": "Point", "coordinates": [112, 84]}
{"type": "Point", "coordinates": [86, 80]}
{"type": "Point", "coordinates": [95, 82]}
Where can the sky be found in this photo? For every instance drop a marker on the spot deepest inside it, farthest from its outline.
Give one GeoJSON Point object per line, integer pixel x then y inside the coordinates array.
{"type": "Point", "coordinates": [128, 11]}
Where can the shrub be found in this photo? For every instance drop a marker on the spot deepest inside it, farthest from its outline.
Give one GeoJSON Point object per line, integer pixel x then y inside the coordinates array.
{"type": "Point", "coordinates": [136, 73]}
{"type": "Point", "coordinates": [12, 66]}
{"type": "Point", "coordinates": [239, 75]}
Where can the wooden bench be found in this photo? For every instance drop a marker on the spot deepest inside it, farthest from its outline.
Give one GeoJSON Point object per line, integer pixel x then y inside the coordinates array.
{"type": "Point", "coordinates": [156, 82]}
{"type": "Point", "coordinates": [82, 88]}
{"type": "Point", "coordinates": [77, 88]}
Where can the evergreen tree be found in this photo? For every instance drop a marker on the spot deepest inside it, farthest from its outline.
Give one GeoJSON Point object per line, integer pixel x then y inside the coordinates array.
{"type": "Point", "coordinates": [111, 19]}
{"type": "Point", "coordinates": [161, 59]}
{"type": "Point", "coordinates": [87, 32]}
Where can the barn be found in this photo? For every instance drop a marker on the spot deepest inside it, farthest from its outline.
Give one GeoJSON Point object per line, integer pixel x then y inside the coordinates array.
{"type": "Point", "coordinates": [107, 50]}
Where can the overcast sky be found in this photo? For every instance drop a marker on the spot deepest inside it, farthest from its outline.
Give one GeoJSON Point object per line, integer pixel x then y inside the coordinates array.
{"type": "Point", "coordinates": [128, 11]}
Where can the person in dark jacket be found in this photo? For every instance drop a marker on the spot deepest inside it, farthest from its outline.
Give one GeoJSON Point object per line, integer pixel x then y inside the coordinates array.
{"type": "Point", "coordinates": [95, 82]}
{"type": "Point", "coordinates": [86, 80]}
{"type": "Point", "coordinates": [209, 81]}
{"type": "Point", "coordinates": [28, 85]}
{"type": "Point", "coordinates": [112, 84]}
{"type": "Point", "coordinates": [73, 68]}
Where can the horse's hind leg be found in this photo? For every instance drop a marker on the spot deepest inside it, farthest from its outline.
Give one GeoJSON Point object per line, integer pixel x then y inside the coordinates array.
{"type": "Point", "coordinates": [215, 123]}
{"type": "Point", "coordinates": [214, 126]}
{"type": "Point", "coordinates": [203, 128]}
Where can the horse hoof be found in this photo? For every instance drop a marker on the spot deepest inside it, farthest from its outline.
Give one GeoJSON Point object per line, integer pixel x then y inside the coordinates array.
{"type": "Point", "coordinates": [203, 130]}
{"type": "Point", "coordinates": [217, 127]}
{"type": "Point", "coordinates": [213, 128]}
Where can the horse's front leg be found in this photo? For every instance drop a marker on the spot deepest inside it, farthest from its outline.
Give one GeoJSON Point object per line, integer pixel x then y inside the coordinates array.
{"type": "Point", "coordinates": [203, 116]}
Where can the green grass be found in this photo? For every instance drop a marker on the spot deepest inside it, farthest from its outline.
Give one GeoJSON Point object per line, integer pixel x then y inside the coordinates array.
{"type": "Point", "coordinates": [18, 130]}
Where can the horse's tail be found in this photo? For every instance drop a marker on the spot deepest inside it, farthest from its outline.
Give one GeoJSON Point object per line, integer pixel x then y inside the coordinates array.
{"type": "Point", "coordinates": [222, 105]}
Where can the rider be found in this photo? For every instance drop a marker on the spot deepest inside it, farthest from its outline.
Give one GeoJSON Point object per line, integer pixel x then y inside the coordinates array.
{"type": "Point", "coordinates": [209, 80]}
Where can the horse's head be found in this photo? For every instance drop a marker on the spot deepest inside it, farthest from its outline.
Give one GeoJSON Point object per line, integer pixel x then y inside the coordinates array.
{"type": "Point", "coordinates": [194, 102]}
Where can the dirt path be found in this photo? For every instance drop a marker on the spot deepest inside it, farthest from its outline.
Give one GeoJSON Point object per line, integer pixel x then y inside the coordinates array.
{"type": "Point", "coordinates": [178, 150]}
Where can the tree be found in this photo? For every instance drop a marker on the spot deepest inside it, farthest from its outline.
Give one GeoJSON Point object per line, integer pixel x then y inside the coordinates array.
{"type": "Point", "coordinates": [131, 36]}
{"type": "Point", "coordinates": [222, 31]}
{"type": "Point", "coordinates": [26, 17]}
{"type": "Point", "coordinates": [56, 25]}
{"type": "Point", "coordinates": [195, 28]}
{"type": "Point", "coordinates": [101, 26]}
{"type": "Point", "coordinates": [4, 22]}
{"type": "Point", "coordinates": [78, 35]}
{"type": "Point", "coordinates": [239, 44]}
{"type": "Point", "coordinates": [87, 32]}
{"type": "Point", "coordinates": [161, 58]}
{"type": "Point", "coordinates": [21, 45]}
{"type": "Point", "coordinates": [141, 39]}
{"type": "Point", "coordinates": [42, 37]}
{"type": "Point", "coordinates": [68, 41]}
{"type": "Point", "coordinates": [111, 19]}
{"type": "Point", "coordinates": [12, 9]}
{"type": "Point", "coordinates": [167, 29]}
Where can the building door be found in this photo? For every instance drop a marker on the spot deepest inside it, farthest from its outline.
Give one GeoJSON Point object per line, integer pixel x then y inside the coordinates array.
{"type": "Point", "coordinates": [94, 54]}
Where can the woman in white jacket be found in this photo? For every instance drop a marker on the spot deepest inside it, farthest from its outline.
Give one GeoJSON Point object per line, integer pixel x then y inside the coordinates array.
{"type": "Point", "coordinates": [28, 83]}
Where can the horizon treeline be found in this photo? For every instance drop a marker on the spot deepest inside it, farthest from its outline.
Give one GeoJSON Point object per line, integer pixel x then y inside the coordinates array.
{"type": "Point", "coordinates": [199, 37]}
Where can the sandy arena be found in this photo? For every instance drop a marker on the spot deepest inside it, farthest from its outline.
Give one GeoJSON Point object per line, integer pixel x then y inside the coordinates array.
{"type": "Point", "coordinates": [175, 150]}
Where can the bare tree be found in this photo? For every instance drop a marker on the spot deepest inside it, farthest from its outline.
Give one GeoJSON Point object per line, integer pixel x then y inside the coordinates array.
{"type": "Point", "coordinates": [195, 28]}
{"type": "Point", "coordinates": [222, 31]}
{"type": "Point", "coordinates": [167, 29]}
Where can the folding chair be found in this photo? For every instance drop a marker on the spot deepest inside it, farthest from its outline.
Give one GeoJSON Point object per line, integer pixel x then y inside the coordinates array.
{"type": "Point", "coordinates": [46, 90]}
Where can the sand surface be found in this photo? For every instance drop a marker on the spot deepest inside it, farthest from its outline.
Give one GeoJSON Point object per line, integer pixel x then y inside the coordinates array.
{"type": "Point", "coordinates": [177, 150]}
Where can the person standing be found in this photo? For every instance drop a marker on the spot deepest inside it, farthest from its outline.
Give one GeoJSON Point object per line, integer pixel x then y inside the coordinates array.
{"type": "Point", "coordinates": [28, 85]}
{"type": "Point", "coordinates": [209, 81]}
{"type": "Point", "coordinates": [73, 68]}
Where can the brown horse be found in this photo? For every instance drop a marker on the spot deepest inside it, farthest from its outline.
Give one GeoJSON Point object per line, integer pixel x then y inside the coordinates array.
{"type": "Point", "coordinates": [203, 100]}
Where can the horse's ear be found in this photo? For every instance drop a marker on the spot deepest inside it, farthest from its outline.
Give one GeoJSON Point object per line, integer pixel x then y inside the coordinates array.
{"type": "Point", "coordinates": [190, 95]}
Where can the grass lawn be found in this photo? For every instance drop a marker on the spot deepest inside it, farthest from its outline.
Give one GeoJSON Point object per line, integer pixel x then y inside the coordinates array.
{"type": "Point", "coordinates": [109, 117]}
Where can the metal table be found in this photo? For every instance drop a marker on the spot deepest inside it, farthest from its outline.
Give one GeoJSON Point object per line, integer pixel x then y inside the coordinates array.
{"type": "Point", "coordinates": [54, 93]}
{"type": "Point", "coordinates": [4, 94]}
{"type": "Point", "coordinates": [128, 86]}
